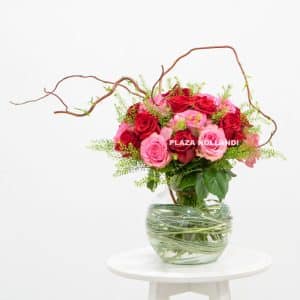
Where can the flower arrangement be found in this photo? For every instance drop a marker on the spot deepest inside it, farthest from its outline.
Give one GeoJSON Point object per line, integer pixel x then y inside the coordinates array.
{"type": "Point", "coordinates": [187, 137]}
{"type": "Point", "coordinates": [190, 140]}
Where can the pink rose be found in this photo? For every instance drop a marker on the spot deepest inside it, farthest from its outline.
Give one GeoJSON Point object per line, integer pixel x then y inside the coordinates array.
{"type": "Point", "coordinates": [160, 102]}
{"type": "Point", "coordinates": [193, 119]}
{"type": "Point", "coordinates": [166, 132]}
{"type": "Point", "coordinates": [177, 123]}
{"type": "Point", "coordinates": [142, 108]}
{"type": "Point", "coordinates": [212, 143]}
{"type": "Point", "coordinates": [227, 105]}
{"type": "Point", "coordinates": [124, 137]}
{"type": "Point", "coordinates": [252, 140]}
{"type": "Point", "coordinates": [122, 128]}
{"type": "Point", "coordinates": [154, 151]}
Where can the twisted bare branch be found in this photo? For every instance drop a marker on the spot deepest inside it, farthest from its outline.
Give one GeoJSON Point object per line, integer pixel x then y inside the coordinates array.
{"type": "Point", "coordinates": [115, 85]}
{"type": "Point", "coordinates": [100, 99]}
{"type": "Point", "coordinates": [172, 195]}
{"type": "Point", "coordinates": [58, 97]}
{"type": "Point", "coordinates": [158, 81]}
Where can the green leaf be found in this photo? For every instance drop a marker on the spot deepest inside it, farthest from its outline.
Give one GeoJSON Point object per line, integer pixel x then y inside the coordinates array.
{"type": "Point", "coordinates": [200, 188]}
{"type": "Point", "coordinates": [226, 92]}
{"type": "Point", "coordinates": [216, 182]}
{"type": "Point", "coordinates": [230, 173]}
{"type": "Point", "coordinates": [187, 181]}
{"type": "Point", "coordinates": [222, 164]}
{"type": "Point", "coordinates": [181, 182]}
{"type": "Point", "coordinates": [153, 179]}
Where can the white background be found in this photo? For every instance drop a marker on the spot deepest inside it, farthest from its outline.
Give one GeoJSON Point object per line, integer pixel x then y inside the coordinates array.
{"type": "Point", "coordinates": [61, 212]}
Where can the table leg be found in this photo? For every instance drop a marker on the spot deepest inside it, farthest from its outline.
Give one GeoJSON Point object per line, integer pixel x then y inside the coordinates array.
{"type": "Point", "coordinates": [158, 291]}
{"type": "Point", "coordinates": [215, 291]}
{"type": "Point", "coordinates": [219, 291]}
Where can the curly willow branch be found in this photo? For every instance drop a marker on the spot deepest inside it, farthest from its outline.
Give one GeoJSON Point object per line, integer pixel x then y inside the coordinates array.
{"type": "Point", "coordinates": [249, 95]}
{"type": "Point", "coordinates": [142, 93]}
{"type": "Point", "coordinates": [115, 85]}
{"type": "Point", "coordinates": [172, 194]}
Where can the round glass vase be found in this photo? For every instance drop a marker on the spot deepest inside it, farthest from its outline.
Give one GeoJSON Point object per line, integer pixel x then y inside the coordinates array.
{"type": "Point", "coordinates": [187, 235]}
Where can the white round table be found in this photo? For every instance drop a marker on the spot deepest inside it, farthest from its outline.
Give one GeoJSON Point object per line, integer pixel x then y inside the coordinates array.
{"type": "Point", "coordinates": [209, 279]}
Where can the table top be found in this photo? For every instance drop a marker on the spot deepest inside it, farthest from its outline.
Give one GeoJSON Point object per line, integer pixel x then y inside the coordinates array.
{"type": "Point", "coordinates": [144, 264]}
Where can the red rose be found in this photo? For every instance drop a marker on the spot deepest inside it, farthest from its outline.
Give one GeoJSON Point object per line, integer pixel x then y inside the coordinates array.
{"type": "Point", "coordinates": [126, 138]}
{"type": "Point", "coordinates": [204, 103]}
{"type": "Point", "coordinates": [232, 126]}
{"type": "Point", "coordinates": [179, 103]}
{"type": "Point", "coordinates": [145, 124]}
{"type": "Point", "coordinates": [235, 136]}
{"type": "Point", "coordinates": [183, 143]}
{"type": "Point", "coordinates": [179, 99]}
{"type": "Point", "coordinates": [187, 156]}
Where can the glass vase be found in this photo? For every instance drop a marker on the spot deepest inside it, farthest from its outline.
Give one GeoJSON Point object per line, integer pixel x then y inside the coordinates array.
{"type": "Point", "coordinates": [188, 235]}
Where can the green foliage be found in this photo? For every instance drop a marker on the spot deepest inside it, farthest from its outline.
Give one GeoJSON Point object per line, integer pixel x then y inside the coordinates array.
{"type": "Point", "coordinates": [172, 81]}
{"type": "Point", "coordinates": [153, 179]}
{"type": "Point", "coordinates": [226, 94]}
{"type": "Point", "coordinates": [130, 116]}
{"type": "Point", "coordinates": [254, 129]}
{"type": "Point", "coordinates": [247, 109]}
{"type": "Point", "coordinates": [181, 182]}
{"type": "Point", "coordinates": [143, 82]}
{"type": "Point", "coordinates": [82, 110]}
{"type": "Point", "coordinates": [176, 78]}
{"type": "Point", "coordinates": [130, 151]}
{"type": "Point", "coordinates": [163, 118]}
{"type": "Point", "coordinates": [252, 114]}
{"type": "Point", "coordinates": [120, 107]}
{"type": "Point", "coordinates": [169, 83]}
{"type": "Point", "coordinates": [239, 152]}
{"type": "Point", "coordinates": [244, 151]}
{"type": "Point", "coordinates": [177, 168]}
{"type": "Point", "coordinates": [124, 165]}
{"type": "Point", "coordinates": [200, 189]}
{"type": "Point", "coordinates": [217, 116]}
{"type": "Point", "coordinates": [223, 164]}
{"type": "Point", "coordinates": [128, 165]}
{"type": "Point", "coordinates": [141, 182]}
{"type": "Point", "coordinates": [216, 182]}
{"type": "Point", "coordinates": [201, 182]}
{"type": "Point", "coordinates": [144, 85]}
{"type": "Point", "coordinates": [107, 88]}
{"type": "Point", "coordinates": [271, 153]}
{"type": "Point", "coordinates": [196, 87]}
{"type": "Point", "coordinates": [106, 146]}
